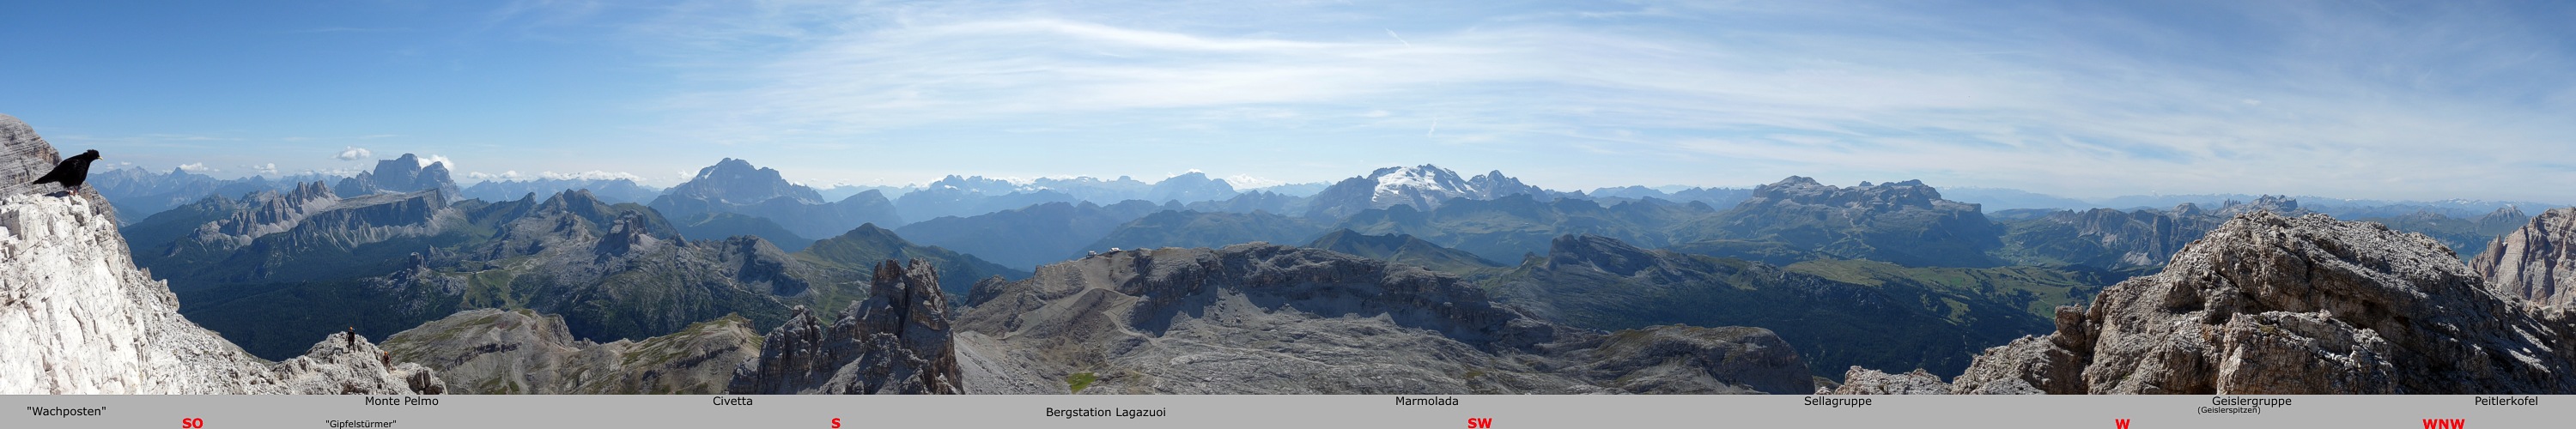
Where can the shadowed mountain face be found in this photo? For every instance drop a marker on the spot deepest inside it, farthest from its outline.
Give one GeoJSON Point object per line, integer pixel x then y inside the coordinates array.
{"type": "Point", "coordinates": [1906, 223]}
{"type": "Point", "coordinates": [1195, 229]}
{"type": "Point", "coordinates": [612, 271]}
{"type": "Point", "coordinates": [1402, 249]}
{"type": "Point", "coordinates": [1262, 201]}
{"type": "Point", "coordinates": [734, 186]}
{"type": "Point", "coordinates": [1028, 236]}
{"type": "Point", "coordinates": [399, 175]}
{"type": "Point", "coordinates": [856, 250]}
{"type": "Point", "coordinates": [1840, 313]}
{"type": "Point", "coordinates": [139, 194]}
{"type": "Point", "coordinates": [1506, 228]}
{"type": "Point", "coordinates": [1278, 319]}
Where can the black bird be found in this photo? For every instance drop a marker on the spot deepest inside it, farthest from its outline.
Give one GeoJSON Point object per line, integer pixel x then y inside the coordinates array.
{"type": "Point", "coordinates": [71, 172]}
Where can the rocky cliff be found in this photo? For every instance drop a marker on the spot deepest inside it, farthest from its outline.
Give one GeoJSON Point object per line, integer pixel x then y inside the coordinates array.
{"type": "Point", "coordinates": [2536, 262]}
{"type": "Point", "coordinates": [490, 351]}
{"type": "Point", "coordinates": [895, 342]}
{"type": "Point", "coordinates": [76, 317]}
{"type": "Point", "coordinates": [2268, 304]}
{"type": "Point", "coordinates": [1258, 318]}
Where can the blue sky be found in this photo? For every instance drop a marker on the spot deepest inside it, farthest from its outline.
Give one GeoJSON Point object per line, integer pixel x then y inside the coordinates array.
{"type": "Point", "coordinates": [2355, 99]}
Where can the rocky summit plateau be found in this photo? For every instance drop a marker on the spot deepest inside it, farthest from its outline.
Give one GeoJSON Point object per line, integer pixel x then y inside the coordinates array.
{"type": "Point", "coordinates": [1263, 318]}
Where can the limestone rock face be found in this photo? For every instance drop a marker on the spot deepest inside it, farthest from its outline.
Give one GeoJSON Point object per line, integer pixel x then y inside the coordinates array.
{"type": "Point", "coordinates": [1861, 381]}
{"type": "Point", "coordinates": [2536, 262]}
{"type": "Point", "coordinates": [895, 342]}
{"type": "Point", "coordinates": [77, 317]}
{"type": "Point", "coordinates": [2268, 304]}
{"type": "Point", "coordinates": [490, 351]}
{"type": "Point", "coordinates": [343, 365]}
{"type": "Point", "coordinates": [1269, 319]}
{"type": "Point", "coordinates": [24, 156]}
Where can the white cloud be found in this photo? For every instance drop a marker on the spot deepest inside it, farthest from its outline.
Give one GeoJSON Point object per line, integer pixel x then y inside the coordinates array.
{"type": "Point", "coordinates": [592, 175]}
{"type": "Point", "coordinates": [197, 167]}
{"type": "Point", "coordinates": [354, 153]}
{"type": "Point", "coordinates": [1243, 181]}
{"type": "Point", "coordinates": [268, 169]}
{"type": "Point", "coordinates": [509, 175]}
{"type": "Point", "coordinates": [2305, 99]}
{"type": "Point", "coordinates": [425, 161]}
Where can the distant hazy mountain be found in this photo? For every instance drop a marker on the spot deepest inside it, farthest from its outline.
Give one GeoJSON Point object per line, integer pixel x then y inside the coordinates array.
{"type": "Point", "coordinates": [2106, 238]}
{"type": "Point", "coordinates": [719, 225]}
{"type": "Point", "coordinates": [735, 186]}
{"type": "Point", "coordinates": [2000, 199]}
{"type": "Point", "coordinates": [1093, 189]}
{"type": "Point", "coordinates": [1181, 228]}
{"type": "Point", "coordinates": [2466, 237]}
{"type": "Point", "coordinates": [1504, 229]}
{"type": "Point", "coordinates": [610, 190]}
{"type": "Point", "coordinates": [1714, 197]}
{"type": "Point", "coordinates": [841, 192]}
{"type": "Point", "coordinates": [1293, 189]}
{"type": "Point", "coordinates": [1907, 223]}
{"type": "Point", "coordinates": [399, 175]}
{"type": "Point", "coordinates": [1190, 187]}
{"type": "Point", "coordinates": [964, 196]}
{"type": "Point", "coordinates": [139, 194]}
{"type": "Point", "coordinates": [1403, 249]}
{"type": "Point", "coordinates": [1253, 201]}
{"type": "Point", "coordinates": [1839, 313]}
{"type": "Point", "coordinates": [969, 196]}
{"type": "Point", "coordinates": [1027, 237]}
{"type": "Point", "coordinates": [1629, 192]}
{"type": "Point", "coordinates": [1423, 187]}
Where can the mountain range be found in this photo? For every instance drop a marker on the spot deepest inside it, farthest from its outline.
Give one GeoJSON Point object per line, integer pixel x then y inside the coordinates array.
{"type": "Point", "coordinates": [1406, 280]}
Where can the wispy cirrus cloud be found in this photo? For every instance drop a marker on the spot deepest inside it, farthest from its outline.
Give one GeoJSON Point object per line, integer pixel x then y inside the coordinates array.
{"type": "Point", "coordinates": [2074, 98]}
